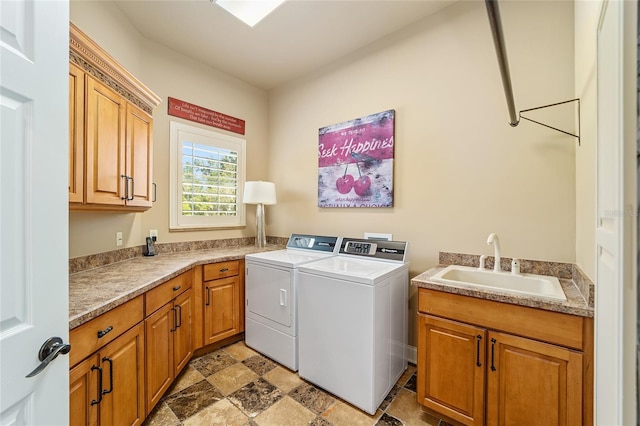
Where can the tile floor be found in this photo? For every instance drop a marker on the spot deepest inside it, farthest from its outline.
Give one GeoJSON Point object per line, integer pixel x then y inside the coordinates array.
{"type": "Point", "coordinates": [237, 386]}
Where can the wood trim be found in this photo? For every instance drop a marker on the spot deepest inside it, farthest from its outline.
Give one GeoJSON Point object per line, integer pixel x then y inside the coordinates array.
{"type": "Point", "coordinates": [588, 374]}
{"type": "Point", "coordinates": [95, 61]}
{"type": "Point", "coordinates": [198, 307]}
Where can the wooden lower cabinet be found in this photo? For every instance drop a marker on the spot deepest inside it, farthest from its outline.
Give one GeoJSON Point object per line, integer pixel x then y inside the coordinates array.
{"type": "Point", "coordinates": [168, 345]}
{"type": "Point", "coordinates": [474, 374]}
{"type": "Point", "coordinates": [451, 368]}
{"type": "Point", "coordinates": [531, 382]}
{"type": "Point", "coordinates": [108, 387]}
{"type": "Point", "coordinates": [223, 300]}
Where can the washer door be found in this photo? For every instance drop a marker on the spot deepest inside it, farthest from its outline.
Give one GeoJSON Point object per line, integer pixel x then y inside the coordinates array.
{"type": "Point", "coordinates": [269, 293]}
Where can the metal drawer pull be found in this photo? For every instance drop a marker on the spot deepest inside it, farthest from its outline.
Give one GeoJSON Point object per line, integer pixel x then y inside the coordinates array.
{"type": "Point", "coordinates": [493, 344]}
{"type": "Point", "coordinates": [176, 288]}
{"type": "Point", "coordinates": [110, 361]}
{"type": "Point", "coordinates": [101, 333]}
{"type": "Point", "coordinates": [94, 402]}
{"type": "Point", "coordinates": [479, 337]}
{"type": "Point", "coordinates": [224, 270]}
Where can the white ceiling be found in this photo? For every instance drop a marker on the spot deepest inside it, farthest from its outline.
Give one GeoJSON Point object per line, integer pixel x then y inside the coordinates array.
{"type": "Point", "coordinates": [296, 39]}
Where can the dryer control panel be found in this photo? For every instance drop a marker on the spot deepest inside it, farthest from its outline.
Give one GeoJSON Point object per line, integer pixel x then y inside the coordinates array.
{"type": "Point", "coordinates": [379, 249]}
{"type": "Point", "coordinates": [313, 243]}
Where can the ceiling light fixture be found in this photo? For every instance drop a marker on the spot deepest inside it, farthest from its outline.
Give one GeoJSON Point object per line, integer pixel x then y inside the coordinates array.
{"type": "Point", "coordinates": [249, 11]}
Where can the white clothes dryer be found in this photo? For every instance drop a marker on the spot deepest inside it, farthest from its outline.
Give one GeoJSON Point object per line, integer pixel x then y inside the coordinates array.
{"type": "Point", "coordinates": [271, 319]}
{"type": "Point", "coordinates": [353, 320]}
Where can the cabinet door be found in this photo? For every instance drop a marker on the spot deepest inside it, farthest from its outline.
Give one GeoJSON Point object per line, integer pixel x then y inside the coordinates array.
{"type": "Point", "coordinates": [221, 310]}
{"type": "Point", "coordinates": [451, 368]}
{"type": "Point", "coordinates": [139, 161]}
{"type": "Point", "coordinates": [83, 390]}
{"type": "Point", "coordinates": [105, 144]}
{"type": "Point", "coordinates": [122, 362]}
{"type": "Point", "coordinates": [183, 337]}
{"type": "Point", "coordinates": [159, 329]}
{"type": "Point", "coordinates": [532, 383]}
{"type": "Point", "coordinates": [76, 134]}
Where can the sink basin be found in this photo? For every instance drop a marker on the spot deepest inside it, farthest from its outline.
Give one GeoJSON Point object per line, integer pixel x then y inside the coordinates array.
{"type": "Point", "coordinates": [531, 284]}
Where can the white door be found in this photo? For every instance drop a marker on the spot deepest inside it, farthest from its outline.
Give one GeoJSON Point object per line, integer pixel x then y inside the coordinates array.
{"type": "Point", "coordinates": [615, 332]}
{"type": "Point", "coordinates": [34, 57]}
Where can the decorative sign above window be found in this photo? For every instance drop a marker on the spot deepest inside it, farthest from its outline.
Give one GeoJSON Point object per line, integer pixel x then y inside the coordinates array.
{"type": "Point", "coordinates": [206, 116]}
{"type": "Point", "coordinates": [355, 162]}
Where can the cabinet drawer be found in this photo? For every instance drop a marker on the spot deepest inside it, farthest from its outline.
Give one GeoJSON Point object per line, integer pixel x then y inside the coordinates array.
{"type": "Point", "coordinates": [547, 326]}
{"type": "Point", "coordinates": [93, 335]}
{"type": "Point", "coordinates": [164, 293]}
{"type": "Point", "coordinates": [213, 271]}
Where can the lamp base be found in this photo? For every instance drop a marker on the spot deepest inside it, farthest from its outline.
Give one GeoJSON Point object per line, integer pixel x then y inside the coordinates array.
{"type": "Point", "coordinates": [261, 236]}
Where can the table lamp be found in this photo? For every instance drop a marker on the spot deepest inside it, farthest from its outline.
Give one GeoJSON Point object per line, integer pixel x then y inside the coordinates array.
{"type": "Point", "coordinates": [259, 193]}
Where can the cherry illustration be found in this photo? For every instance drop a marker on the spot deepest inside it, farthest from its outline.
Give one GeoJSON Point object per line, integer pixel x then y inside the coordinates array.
{"type": "Point", "coordinates": [362, 185]}
{"type": "Point", "coordinates": [344, 183]}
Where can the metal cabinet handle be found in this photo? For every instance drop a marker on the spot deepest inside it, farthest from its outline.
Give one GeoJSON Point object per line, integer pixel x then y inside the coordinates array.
{"type": "Point", "coordinates": [479, 337]}
{"type": "Point", "coordinates": [175, 320]}
{"type": "Point", "coordinates": [493, 344]}
{"type": "Point", "coordinates": [133, 190]}
{"type": "Point", "coordinates": [155, 192]}
{"type": "Point", "coordinates": [104, 391]}
{"type": "Point", "coordinates": [224, 270]}
{"type": "Point", "coordinates": [126, 187]}
{"type": "Point", "coordinates": [94, 402]}
{"type": "Point", "coordinates": [49, 351]}
{"type": "Point", "coordinates": [208, 302]}
{"type": "Point", "coordinates": [102, 333]}
{"type": "Point", "coordinates": [176, 288]}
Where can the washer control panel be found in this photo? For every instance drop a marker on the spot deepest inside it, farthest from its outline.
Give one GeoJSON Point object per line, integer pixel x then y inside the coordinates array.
{"type": "Point", "coordinates": [360, 247]}
{"type": "Point", "coordinates": [313, 243]}
{"type": "Point", "coordinates": [379, 249]}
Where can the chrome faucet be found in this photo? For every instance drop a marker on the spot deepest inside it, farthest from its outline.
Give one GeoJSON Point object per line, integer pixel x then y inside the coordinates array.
{"type": "Point", "coordinates": [493, 239]}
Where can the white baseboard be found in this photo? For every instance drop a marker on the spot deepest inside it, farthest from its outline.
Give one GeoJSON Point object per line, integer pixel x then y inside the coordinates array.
{"type": "Point", "coordinates": [412, 354]}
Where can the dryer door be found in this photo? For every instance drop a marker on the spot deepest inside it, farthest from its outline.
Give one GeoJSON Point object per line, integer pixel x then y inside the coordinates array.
{"type": "Point", "coordinates": [269, 293]}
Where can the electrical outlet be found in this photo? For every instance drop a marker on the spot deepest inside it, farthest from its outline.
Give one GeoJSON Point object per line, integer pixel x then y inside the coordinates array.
{"type": "Point", "coordinates": [118, 239]}
{"type": "Point", "coordinates": [154, 234]}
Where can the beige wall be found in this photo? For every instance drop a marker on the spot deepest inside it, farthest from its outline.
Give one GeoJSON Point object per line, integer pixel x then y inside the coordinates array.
{"type": "Point", "coordinates": [587, 14]}
{"type": "Point", "coordinates": [461, 172]}
{"type": "Point", "coordinates": [166, 73]}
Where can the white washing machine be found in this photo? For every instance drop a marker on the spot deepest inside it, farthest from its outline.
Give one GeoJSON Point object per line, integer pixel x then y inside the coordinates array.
{"type": "Point", "coordinates": [352, 319]}
{"type": "Point", "coordinates": [271, 320]}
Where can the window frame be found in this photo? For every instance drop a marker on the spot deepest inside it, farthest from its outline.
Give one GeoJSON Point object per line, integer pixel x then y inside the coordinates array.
{"type": "Point", "coordinates": [179, 133]}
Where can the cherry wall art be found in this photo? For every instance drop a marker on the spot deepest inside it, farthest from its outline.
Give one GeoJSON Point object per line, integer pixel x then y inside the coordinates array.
{"type": "Point", "coordinates": [355, 162]}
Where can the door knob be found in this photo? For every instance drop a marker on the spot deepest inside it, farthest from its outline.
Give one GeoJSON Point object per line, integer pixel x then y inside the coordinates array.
{"type": "Point", "coordinates": [49, 351]}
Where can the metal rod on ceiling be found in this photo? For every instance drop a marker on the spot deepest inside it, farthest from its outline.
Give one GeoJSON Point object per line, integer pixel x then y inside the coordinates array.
{"type": "Point", "coordinates": [501, 51]}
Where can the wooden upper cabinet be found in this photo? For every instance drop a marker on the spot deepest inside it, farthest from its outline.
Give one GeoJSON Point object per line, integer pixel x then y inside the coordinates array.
{"type": "Point", "coordinates": [111, 131]}
{"type": "Point", "coordinates": [139, 156]}
{"type": "Point", "coordinates": [105, 145]}
{"type": "Point", "coordinates": [76, 133]}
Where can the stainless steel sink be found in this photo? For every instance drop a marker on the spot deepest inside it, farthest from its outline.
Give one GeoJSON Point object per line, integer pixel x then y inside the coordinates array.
{"type": "Point", "coordinates": [530, 284]}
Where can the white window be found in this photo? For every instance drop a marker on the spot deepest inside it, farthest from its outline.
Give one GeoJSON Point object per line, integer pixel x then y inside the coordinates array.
{"type": "Point", "coordinates": [207, 177]}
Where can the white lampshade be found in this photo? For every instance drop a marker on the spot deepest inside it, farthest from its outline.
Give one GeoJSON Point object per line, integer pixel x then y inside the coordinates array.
{"type": "Point", "coordinates": [259, 192]}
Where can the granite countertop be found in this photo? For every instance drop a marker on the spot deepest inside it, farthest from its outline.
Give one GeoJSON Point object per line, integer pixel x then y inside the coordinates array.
{"type": "Point", "coordinates": [578, 288]}
{"type": "Point", "coordinates": [576, 303]}
{"type": "Point", "coordinates": [96, 291]}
